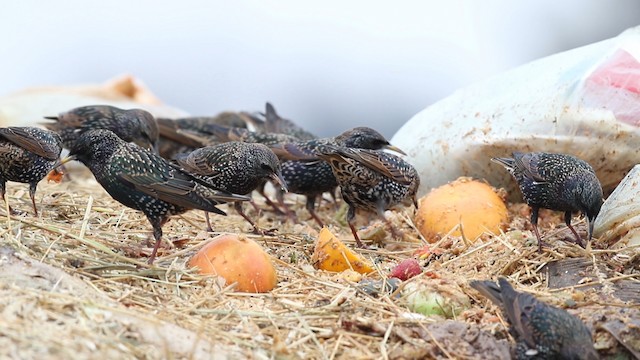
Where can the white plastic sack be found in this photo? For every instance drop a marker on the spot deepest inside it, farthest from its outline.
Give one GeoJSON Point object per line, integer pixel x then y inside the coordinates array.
{"type": "Point", "coordinates": [619, 218]}
{"type": "Point", "coordinates": [27, 107]}
{"type": "Point", "coordinates": [584, 102]}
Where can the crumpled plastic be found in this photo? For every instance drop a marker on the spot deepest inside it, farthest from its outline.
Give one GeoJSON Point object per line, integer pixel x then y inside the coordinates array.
{"type": "Point", "coordinates": [619, 219]}
{"type": "Point", "coordinates": [584, 102]}
{"type": "Point", "coordinates": [27, 107]}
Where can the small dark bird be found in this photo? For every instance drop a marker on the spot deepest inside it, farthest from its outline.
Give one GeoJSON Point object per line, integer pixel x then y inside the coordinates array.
{"type": "Point", "coordinates": [27, 155]}
{"type": "Point", "coordinates": [173, 142]}
{"type": "Point", "coordinates": [144, 181]}
{"type": "Point", "coordinates": [135, 125]}
{"type": "Point", "coordinates": [541, 331]}
{"type": "Point", "coordinates": [307, 174]}
{"type": "Point", "coordinates": [557, 182]}
{"type": "Point", "coordinates": [235, 167]}
{"type": "Point", "coordinates": [373, 181]}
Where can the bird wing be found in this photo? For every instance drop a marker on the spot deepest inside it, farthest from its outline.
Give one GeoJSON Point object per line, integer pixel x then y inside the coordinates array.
{"type": "Point", "coordinates": [529, 166]}
{"type": "Point", "coordinates": [172, 185]}
{"type": "Point", "coordinates": [169, 129]}
{"type": "Point", "coordinates": [199, 162]}
{"type": "Point", "coordinates": [77, 117]}
{"type": "Point", "coordinates": [379, 162]}
{"type": "Point", "coordinates": [301, 151]}
{"type": "Point", "coordinates": [21, 137]}
{"type": "Point", "coordinates": [225, 133]}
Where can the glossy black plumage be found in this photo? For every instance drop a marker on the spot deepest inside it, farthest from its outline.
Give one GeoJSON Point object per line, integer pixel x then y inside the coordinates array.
{"type": "Point", "coordinates": [541, 331]}
{"type": "Point", "coordinates": [144, 181]}
{"type": "Point", "coordinates": [373, 181]}
{"type": "Point", "coordinates": [307, 174]}
{"type": "Point", "coordinates": [27, 155]}
{"type": "Point", "coordinates": [235, 167]}
{"type": "Point", "coordinates": [557, 182]}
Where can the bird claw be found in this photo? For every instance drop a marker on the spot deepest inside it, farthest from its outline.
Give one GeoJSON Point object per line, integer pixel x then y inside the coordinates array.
{"type": "Point", "coordinates": [265, 232]}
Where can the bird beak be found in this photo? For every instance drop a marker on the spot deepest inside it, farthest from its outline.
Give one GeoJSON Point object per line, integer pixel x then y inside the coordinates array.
{"type": "Point", "coordinates": [277, 178]}
{"type": "Point", "coordinates": [394, 148]}
{"type": "Point", "coordinates": [65, 160]}
{"type": "Point", "coordinates": [591, 222]}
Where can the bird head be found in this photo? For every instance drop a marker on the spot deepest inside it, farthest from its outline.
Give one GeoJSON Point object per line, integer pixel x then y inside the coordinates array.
{"type": "Point", "coordinates": [268, 166]}
{"type": "Point", "coordinates": [365, 138]}
{"type": "Point", "coordinates": [147, 132]}
{"type": "Point", "coordinates": [94, 146]}
{"type": "Point", "coordinates": [590, 199]}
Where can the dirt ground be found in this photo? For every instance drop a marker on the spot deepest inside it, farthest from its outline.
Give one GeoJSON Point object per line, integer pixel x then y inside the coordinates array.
{"type": "Point", "coordinates": [74, 284]}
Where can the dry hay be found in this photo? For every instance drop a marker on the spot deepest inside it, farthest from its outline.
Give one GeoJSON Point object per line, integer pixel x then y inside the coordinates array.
{"type": "Point", "coordinates": [74, 284]}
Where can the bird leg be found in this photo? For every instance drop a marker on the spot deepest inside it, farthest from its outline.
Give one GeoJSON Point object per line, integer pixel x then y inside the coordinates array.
{"type": "Point", "coordinates": [157, 234]}
{"type": "Point", "coordinates": [2, 190]}
{"type": "Point", "coordinates": [290, 214]}
{"type": "Point", "coordinates": [351, 214]}
{"type": "Point", "coordinates": [256, 230]}
{"type": "Point", "coordinates": [567, 220]}
{"type": "Point", "coordinates": [255, 207]}
{"type": "Point", "coordinates": [534, 223]}
{"type": "Point", "coordinates": [268, 201]}
{"type": "Point", "coordinates": [311, 204]}
{"type": "Point", "coordinates": [32, 194]}
{"type": "Point", "coordinates": [206, 217]}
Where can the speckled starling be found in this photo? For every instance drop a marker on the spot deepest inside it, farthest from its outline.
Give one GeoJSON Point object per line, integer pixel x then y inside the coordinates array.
{"type": "Point", "coordinates": [235, 167]}
{"type": "Point", "coordinates": [557, 182]}
{"type": "Point", "coordinates": [173, 142]}
{"type": "Point", "coordinates": [373, 181]}
{"type": "Point", "coordinates": [134, 125]}
{"type": "Point", "coordinates": [541, 331]}
{"type": "Point", "coordinates": [27, 154]}
{"type": "Point", "coordinates": [306, 174]}
{"type": "Point", "coordinates": [144, 181]}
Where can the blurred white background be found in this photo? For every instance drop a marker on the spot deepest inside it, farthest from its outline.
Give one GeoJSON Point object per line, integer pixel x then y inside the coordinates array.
{"type": "Point", "coordinates": [329, 67]}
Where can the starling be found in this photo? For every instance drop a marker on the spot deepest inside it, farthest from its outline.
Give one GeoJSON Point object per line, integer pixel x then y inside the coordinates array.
{"type": "Point", "coordinates": [370, 180]}
{"type": "Point", "coordinates": [172, 142]}
{"type": "Point", "coordinates": [135, 125]}
{"type": "Point", "coordinates": [306, 174]}
{"type": "Point", "coordinates": [557, 182]}
{"type": "Point", "coordinates": [541, 331]}
{"type": "Point", "coordinates": [142, 180]}
{"type": "Point", "coordinates": [27, 154]}
{"type": "Point", "coordinates": [235, 167]}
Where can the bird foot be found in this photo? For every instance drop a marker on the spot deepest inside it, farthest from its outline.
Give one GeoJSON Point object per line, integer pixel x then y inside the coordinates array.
{"type": "Point", "coordinates": [265, 232]}
{"type": "Point", "coordinates": [542, 244]}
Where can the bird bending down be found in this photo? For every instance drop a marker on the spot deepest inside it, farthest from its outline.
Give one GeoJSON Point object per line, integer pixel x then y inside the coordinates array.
{"type": "Point", "coordinates": [306, 173]}
{"type": "Point", "coordinates": [142, 180]}
{"type": "Point", "coordinates": [27, 154]}
{"type": "Point", "coordinates": [557, 182]}
{"type": "Point", "coordinates": [541, 331]}
{"type": "Point", "coordinates": [373, 181]}
{"type": "Point", "coordinates": [235, 167]}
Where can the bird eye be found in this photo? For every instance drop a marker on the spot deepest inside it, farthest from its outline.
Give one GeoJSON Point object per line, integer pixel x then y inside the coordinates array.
{"type": "Point", "coordinates": [265, 167]}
